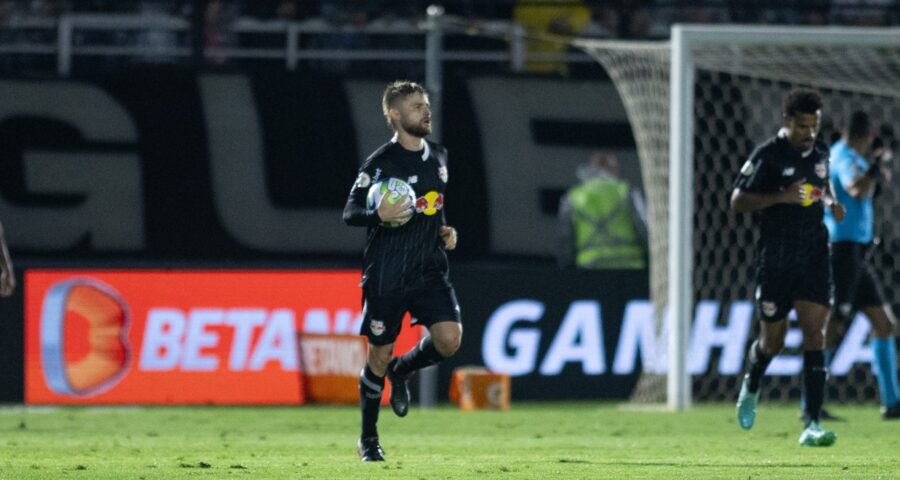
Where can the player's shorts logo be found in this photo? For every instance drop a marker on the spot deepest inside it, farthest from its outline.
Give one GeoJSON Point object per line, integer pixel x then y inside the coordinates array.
{"type": "Point", "coordinates": [376, 326]}
{"type": "Point", "coordinates": [430, 203]}
{"type": "Point", "coordinates": [84, 348]}
{"type": "Point", "coordinates": [845, 309]}
{"type": "Point", "coordinates": [768, 308]}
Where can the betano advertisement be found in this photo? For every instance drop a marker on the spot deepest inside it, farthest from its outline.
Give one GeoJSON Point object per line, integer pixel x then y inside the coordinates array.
{"type": "Point", "coordinates": [230, 337]}
{"type": "Point", "coordinates": [183, 337]}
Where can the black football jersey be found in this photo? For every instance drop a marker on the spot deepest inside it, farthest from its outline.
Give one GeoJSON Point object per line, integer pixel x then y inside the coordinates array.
{"type": "Point", "coordinates": [788, 232]}
{"type": "Point", "coordinates": [411, 256]}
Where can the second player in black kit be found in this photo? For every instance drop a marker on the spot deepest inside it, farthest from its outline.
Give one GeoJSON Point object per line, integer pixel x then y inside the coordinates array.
{"type": "Point", "coordinates": [785, 183]}
{"type": "Point", "coordinates": [792, 259]}
{"type": "Point", "coordinates": [405, 267]}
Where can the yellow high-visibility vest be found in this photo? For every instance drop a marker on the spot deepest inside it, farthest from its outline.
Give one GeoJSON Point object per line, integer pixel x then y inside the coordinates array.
{"type": "Point", "coordinates": [603, 226]}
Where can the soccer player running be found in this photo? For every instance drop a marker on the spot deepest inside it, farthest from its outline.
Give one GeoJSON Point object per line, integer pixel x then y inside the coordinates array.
{"type": "Point", "coordinates": [857, 286]}
{"type": "Point", "coordinates": [7, 275]}
{"type": "Point", "coordinates": [785, 183]}
{"type": "Point", "coordinates": [405, 268]}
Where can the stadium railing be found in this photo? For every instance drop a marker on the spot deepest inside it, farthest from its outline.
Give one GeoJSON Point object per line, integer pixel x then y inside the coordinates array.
{"type": "Point", "coordinates": [116, 35]}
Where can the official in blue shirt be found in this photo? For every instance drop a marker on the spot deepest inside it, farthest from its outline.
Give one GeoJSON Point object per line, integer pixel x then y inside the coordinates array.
{"type": "Point", "coordinates": [857, 287]}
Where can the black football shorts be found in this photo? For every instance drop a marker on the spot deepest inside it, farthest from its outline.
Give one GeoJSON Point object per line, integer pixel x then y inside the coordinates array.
{"type": "Point", "coordinates": [856, 283]}
{"type": "Point", "coordinates": [778, 287]}
{"type": "Point", "coordinates": [383, 314]}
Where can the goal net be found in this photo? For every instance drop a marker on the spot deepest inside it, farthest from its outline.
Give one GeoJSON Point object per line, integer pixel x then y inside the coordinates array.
{"type": "Point", "coordinates": [733, 80]}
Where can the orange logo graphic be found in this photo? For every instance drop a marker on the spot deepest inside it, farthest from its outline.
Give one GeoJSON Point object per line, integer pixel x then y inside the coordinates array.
{"type": "Point", "coordinates": [83, 337]}
{"type": "Point", "coordinates": [430, 203]}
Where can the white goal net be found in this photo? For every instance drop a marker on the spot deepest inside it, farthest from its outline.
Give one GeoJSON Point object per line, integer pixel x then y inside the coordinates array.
{"type": "Point", "coordinates": [739, 77]}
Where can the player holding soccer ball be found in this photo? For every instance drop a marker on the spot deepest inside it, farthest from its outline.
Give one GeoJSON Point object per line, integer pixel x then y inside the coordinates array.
{"type": "Point", "coordinates": [405, 264]}
{"type": "Point", "coordinates": [785, 182]}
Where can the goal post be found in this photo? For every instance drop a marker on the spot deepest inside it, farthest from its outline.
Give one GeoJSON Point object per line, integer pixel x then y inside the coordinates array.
{"type": "Point", "coordinates": [741, 72]}
{"type": "Point", "coordinates": [681, 207]}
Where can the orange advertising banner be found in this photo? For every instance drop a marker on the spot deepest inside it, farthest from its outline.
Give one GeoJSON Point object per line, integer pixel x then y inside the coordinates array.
{"type": "Point", "coordinates": [181, 337]}
{"type": "Point", "coordinates": [330, 365]}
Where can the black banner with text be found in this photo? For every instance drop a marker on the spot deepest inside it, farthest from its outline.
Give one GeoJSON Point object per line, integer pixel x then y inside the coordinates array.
{"type": "Point", "coordinates": [174, 164]}
{"type": "Point", "coordinates": [556, 333]}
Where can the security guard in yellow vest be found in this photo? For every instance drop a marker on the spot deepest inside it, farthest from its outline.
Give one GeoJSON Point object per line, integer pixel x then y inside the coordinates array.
{"type": "Point", "coordinates": [601, 226]}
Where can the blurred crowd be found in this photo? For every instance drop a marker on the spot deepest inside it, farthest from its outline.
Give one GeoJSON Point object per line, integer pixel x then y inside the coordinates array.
{"type": "Point", "coordinates": [340, 25]}
{"type": "Point", "coordinates": [612, 18]}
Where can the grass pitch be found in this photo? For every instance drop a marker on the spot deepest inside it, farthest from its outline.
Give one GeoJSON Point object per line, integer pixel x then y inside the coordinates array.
{"type": "Point", "coordinates": [540, 441]}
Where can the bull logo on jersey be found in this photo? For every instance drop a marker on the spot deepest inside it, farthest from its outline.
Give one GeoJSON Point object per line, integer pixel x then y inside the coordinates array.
{"type": "Point", "coordinates": [813, 194]}
{"type": "Point", "coordinates": [430, 203]}
{"type": "Point", "coordinates": [821, 170]}
{"type": "Point", "coordinates": [84, 324]}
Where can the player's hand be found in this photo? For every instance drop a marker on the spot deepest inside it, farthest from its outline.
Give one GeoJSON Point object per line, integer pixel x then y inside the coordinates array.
{"type": "Point", "coordinates": [396, 212]}
{"type": "Point", "coordinates": [794, 194]}
{"type": "Point", "coordinates": [838, 211]}
{"type": "Point", "coordinates": [448, 235]}
{"type": "Point", "coordinates": [7, 283]}
{"type": "Point", "coordinates": [883, 158]}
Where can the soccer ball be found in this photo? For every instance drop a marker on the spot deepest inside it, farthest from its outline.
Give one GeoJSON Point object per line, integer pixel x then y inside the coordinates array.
{"type": "Point", "coordinates": [391, 190]}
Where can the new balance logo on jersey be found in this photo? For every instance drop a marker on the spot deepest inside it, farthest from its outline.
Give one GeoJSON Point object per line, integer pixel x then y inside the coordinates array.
{"type": "Point", "coordinates": [787, 172]}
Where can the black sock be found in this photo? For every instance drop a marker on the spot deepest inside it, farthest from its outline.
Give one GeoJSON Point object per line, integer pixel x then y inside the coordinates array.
{"type": "Point", "coordinates": [370, 387]}
{"type": "Point", "coordinates": [757, 364]}
{"type": "Point", "coordinates": [828, 353]}
{"type": "Point", "coordinates": [422, 355]}
{"type": "Point", "coordinates": [814, 375]}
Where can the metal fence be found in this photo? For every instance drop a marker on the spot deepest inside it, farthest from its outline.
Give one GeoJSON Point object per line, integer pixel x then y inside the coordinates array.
{"type": "Point", "coordinates": [168, 39]}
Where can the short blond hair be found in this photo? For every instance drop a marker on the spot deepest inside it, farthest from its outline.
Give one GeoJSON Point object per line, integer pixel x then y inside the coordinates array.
{"type": "Point", "coordinates": [395, 91]}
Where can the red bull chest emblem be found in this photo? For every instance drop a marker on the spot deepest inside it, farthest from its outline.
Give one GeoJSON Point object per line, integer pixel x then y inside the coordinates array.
{"type": "Point", "coordinates": [430, 203]}
{"type": "Point", "coordinates": [813, 194]}
{"type": "Point", "coordinates": [84, 350]}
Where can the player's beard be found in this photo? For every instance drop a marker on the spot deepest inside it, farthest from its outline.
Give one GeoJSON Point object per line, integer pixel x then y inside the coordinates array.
{"type": "Point", "coordinates": [420, 129]}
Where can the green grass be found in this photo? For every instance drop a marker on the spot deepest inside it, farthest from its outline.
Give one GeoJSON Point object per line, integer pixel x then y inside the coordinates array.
{"type": "Point", "coordinates": [551, 441]}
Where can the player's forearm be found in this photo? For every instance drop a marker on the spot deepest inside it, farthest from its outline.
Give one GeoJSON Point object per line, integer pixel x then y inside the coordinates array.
{"type": "Point", "coordinates": [861, 186]}
{"type": "Point", "coordinates": [5, 260]}
{"type": "Point", "coordinates": [357, 216]}
{"type": "Point", "coordinates": [745, 202]}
